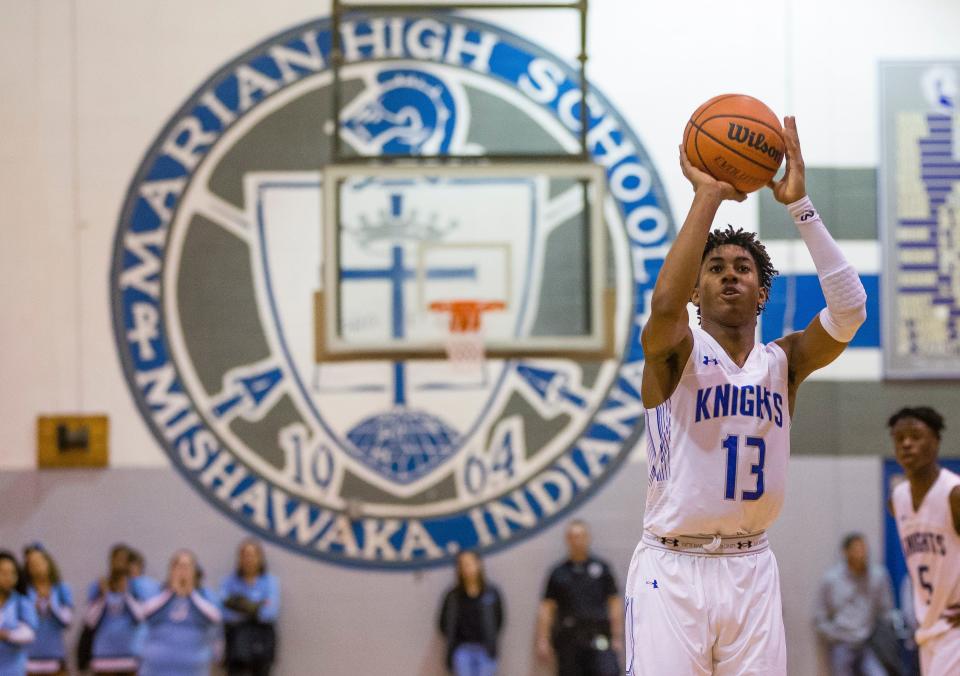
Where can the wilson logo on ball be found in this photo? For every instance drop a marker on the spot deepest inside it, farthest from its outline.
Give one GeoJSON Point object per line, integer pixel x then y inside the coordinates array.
{"type": "Point", "coordinates": [757, 141]}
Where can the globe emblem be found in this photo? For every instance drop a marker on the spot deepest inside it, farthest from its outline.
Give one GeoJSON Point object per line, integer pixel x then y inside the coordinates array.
{"type": "Point", "coordinates": [404, 444]}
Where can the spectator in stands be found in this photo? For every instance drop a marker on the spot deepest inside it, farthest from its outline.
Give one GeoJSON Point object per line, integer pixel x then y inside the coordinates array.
{"type": "Point", "coordinates": [471, 618]}
{"type": "Point", "coordinates": [251, 602]}
{"type": "Point", "coordinates": [180, 619]}
{"type": "Point", "coordinates": [18, 619]}
{"type": "Point", "coordinates": [114, 616]}
{"type": "Point", "coordinates": [854, 597]}
{"type": "Point", "coordinates": [54, 606]}
{"type": "Point", "coordinates": [581, 614]}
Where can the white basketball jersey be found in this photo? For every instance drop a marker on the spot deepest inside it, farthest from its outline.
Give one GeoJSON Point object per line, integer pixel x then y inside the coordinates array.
{"type": "Point", "coordinates": [931, 547]}
{"type": "Point", "coordinates": [717, 449]}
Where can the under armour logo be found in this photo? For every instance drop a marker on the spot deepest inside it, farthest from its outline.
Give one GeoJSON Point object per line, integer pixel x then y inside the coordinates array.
{"type": "Point", "coordinates": [745, 543]}
{"type": "Point", "coordinates": [670, 541]}
{"type": "Point", "coordinates": [653, 584]}
{"type": "Point", "coordinates": [709, 360]}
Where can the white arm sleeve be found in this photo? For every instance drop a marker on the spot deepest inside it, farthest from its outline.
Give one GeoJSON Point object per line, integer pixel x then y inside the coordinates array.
{"type": "Point", "coordinates": [846, 298]}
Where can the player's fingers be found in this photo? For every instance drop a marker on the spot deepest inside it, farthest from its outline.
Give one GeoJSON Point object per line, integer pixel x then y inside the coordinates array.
{"type": "Point", "coordinates": [791, 138]}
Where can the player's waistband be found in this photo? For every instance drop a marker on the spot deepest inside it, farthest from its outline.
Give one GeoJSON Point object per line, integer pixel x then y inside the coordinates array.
{"type": "Point", "coordinates": [705, 545]}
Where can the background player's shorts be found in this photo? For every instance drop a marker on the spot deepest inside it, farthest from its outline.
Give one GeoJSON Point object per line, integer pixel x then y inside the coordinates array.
{"type": "Point", "coordinates": [695, 615]}
{"type": "Point", "coordinates": [940, 655]}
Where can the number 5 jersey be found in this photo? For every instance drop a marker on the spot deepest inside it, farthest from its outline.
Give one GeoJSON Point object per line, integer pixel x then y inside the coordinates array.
{"type": "Point", "coordinates": [931, 548]}
{"type": "Point", "coordinates": [717, 449]}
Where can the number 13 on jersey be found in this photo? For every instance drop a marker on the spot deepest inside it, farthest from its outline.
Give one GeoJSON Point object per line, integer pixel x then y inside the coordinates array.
{"type": "Point", "coordinates": [753, 450]}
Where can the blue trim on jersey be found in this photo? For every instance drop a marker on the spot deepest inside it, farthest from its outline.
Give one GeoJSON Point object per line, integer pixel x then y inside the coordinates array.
{"type": "Point", "coordinates": [658, 453]}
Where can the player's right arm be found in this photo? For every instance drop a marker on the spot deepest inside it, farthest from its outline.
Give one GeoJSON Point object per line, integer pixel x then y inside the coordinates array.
{"type": "Point", "coordinates": [666, 338]}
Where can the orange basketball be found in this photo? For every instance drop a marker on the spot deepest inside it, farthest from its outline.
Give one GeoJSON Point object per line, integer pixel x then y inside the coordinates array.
{"type": "Point", "coordinates": [735, 138]}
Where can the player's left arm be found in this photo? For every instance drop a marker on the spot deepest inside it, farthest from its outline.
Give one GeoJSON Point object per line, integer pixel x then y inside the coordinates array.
{"type": "Point", "coordinates": [826, 336]}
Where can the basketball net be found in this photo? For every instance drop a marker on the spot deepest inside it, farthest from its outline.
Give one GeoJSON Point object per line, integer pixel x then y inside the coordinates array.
{"type": "Point", "coordinates": [465, 344]}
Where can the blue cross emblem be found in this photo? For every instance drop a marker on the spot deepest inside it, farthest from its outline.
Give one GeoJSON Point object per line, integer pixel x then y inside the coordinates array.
{"type": "Point", "coordinates": [397, 274]}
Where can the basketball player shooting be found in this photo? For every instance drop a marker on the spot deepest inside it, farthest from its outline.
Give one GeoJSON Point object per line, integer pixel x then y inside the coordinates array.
{"type": "Point", "coordinates": [703, 591]}
{"type": "Point", "coordinates": [926, 508]}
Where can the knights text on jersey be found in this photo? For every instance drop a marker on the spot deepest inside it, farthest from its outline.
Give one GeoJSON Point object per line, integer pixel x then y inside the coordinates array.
{"type": "Point", "coordinates": [931, 548]}
{"type": "Point", "coordinates": [717, 449]}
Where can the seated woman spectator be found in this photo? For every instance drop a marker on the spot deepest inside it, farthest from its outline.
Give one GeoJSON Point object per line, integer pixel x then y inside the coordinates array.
{"type": "Point", "coordinates": [114, 616]}
{"type": "Point", "coordinates": [18, 620]}
{"type": "Point", "coordinates": [251, 600]}
{"type": "Point", "coordinates": [470, 619]}
{"type": "Point", "coordinates": [179, 621]}
{"type": "Point", "coordinates": [54, 605]}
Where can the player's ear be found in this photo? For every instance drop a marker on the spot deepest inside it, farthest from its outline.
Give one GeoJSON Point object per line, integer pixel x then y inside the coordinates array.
{"type": "Point", "coordinates": [695, 296]}
{"type": "Point", "coordinates": [764, 294]}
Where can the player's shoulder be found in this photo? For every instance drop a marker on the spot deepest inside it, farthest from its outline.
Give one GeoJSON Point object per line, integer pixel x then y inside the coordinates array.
{"type": "Point", "coordinates": [902, 488]}
{"type": "Point", "coordinates": [900, 492]}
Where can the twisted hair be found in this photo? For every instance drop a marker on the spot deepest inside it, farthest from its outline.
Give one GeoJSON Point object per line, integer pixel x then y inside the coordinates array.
{"type": "Point", "coordinates": [752, 244]}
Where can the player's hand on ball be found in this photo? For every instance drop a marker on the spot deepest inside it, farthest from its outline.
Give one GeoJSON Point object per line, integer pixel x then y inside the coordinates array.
{"type": "Point", "coordinates": [701, 179]}
{"type": "Point", "coordinates": [793, 185]}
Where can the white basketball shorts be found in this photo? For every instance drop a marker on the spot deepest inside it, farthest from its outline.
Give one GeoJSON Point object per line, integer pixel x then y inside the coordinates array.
{"type": "Point", "coordinates": [700, 614]}
{"type": "Point", "coordinates": [940, 655]}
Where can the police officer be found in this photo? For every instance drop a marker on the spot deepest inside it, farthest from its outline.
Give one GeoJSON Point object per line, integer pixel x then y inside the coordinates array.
{"type": "Point", "coordinates": [581, 614]}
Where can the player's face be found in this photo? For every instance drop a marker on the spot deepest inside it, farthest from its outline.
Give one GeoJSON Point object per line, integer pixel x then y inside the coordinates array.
{"type": "Point", "coordinates": [915, 445]}
{"type": "Point", "coordinates": [728, 290]}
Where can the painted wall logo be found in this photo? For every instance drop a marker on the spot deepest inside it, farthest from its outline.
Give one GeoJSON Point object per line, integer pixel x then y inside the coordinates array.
{"type": "Point", "coordinates": [217, 259]}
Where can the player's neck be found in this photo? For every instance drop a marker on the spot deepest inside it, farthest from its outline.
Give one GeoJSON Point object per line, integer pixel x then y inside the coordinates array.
{"type": "Point", "coordinates": [922, 480]}
{"type": "Point", "coordinates": [736, 341]}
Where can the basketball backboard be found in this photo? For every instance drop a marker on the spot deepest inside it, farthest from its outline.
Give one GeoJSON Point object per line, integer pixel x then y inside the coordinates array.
{"type": "Point", "coordinates": [400, 238]}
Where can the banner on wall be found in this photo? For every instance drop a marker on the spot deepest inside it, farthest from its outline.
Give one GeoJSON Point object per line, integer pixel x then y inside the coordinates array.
{"type": "Point", "coordinates": [920, 218]}
{"type": "Point", "coordinates": [218, 257]}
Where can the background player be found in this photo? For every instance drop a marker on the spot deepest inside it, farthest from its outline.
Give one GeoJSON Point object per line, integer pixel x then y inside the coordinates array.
{"type": "Point", "coordinates": [926, 508]}
{"type": "Point", "coordinates": [703, 592]}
